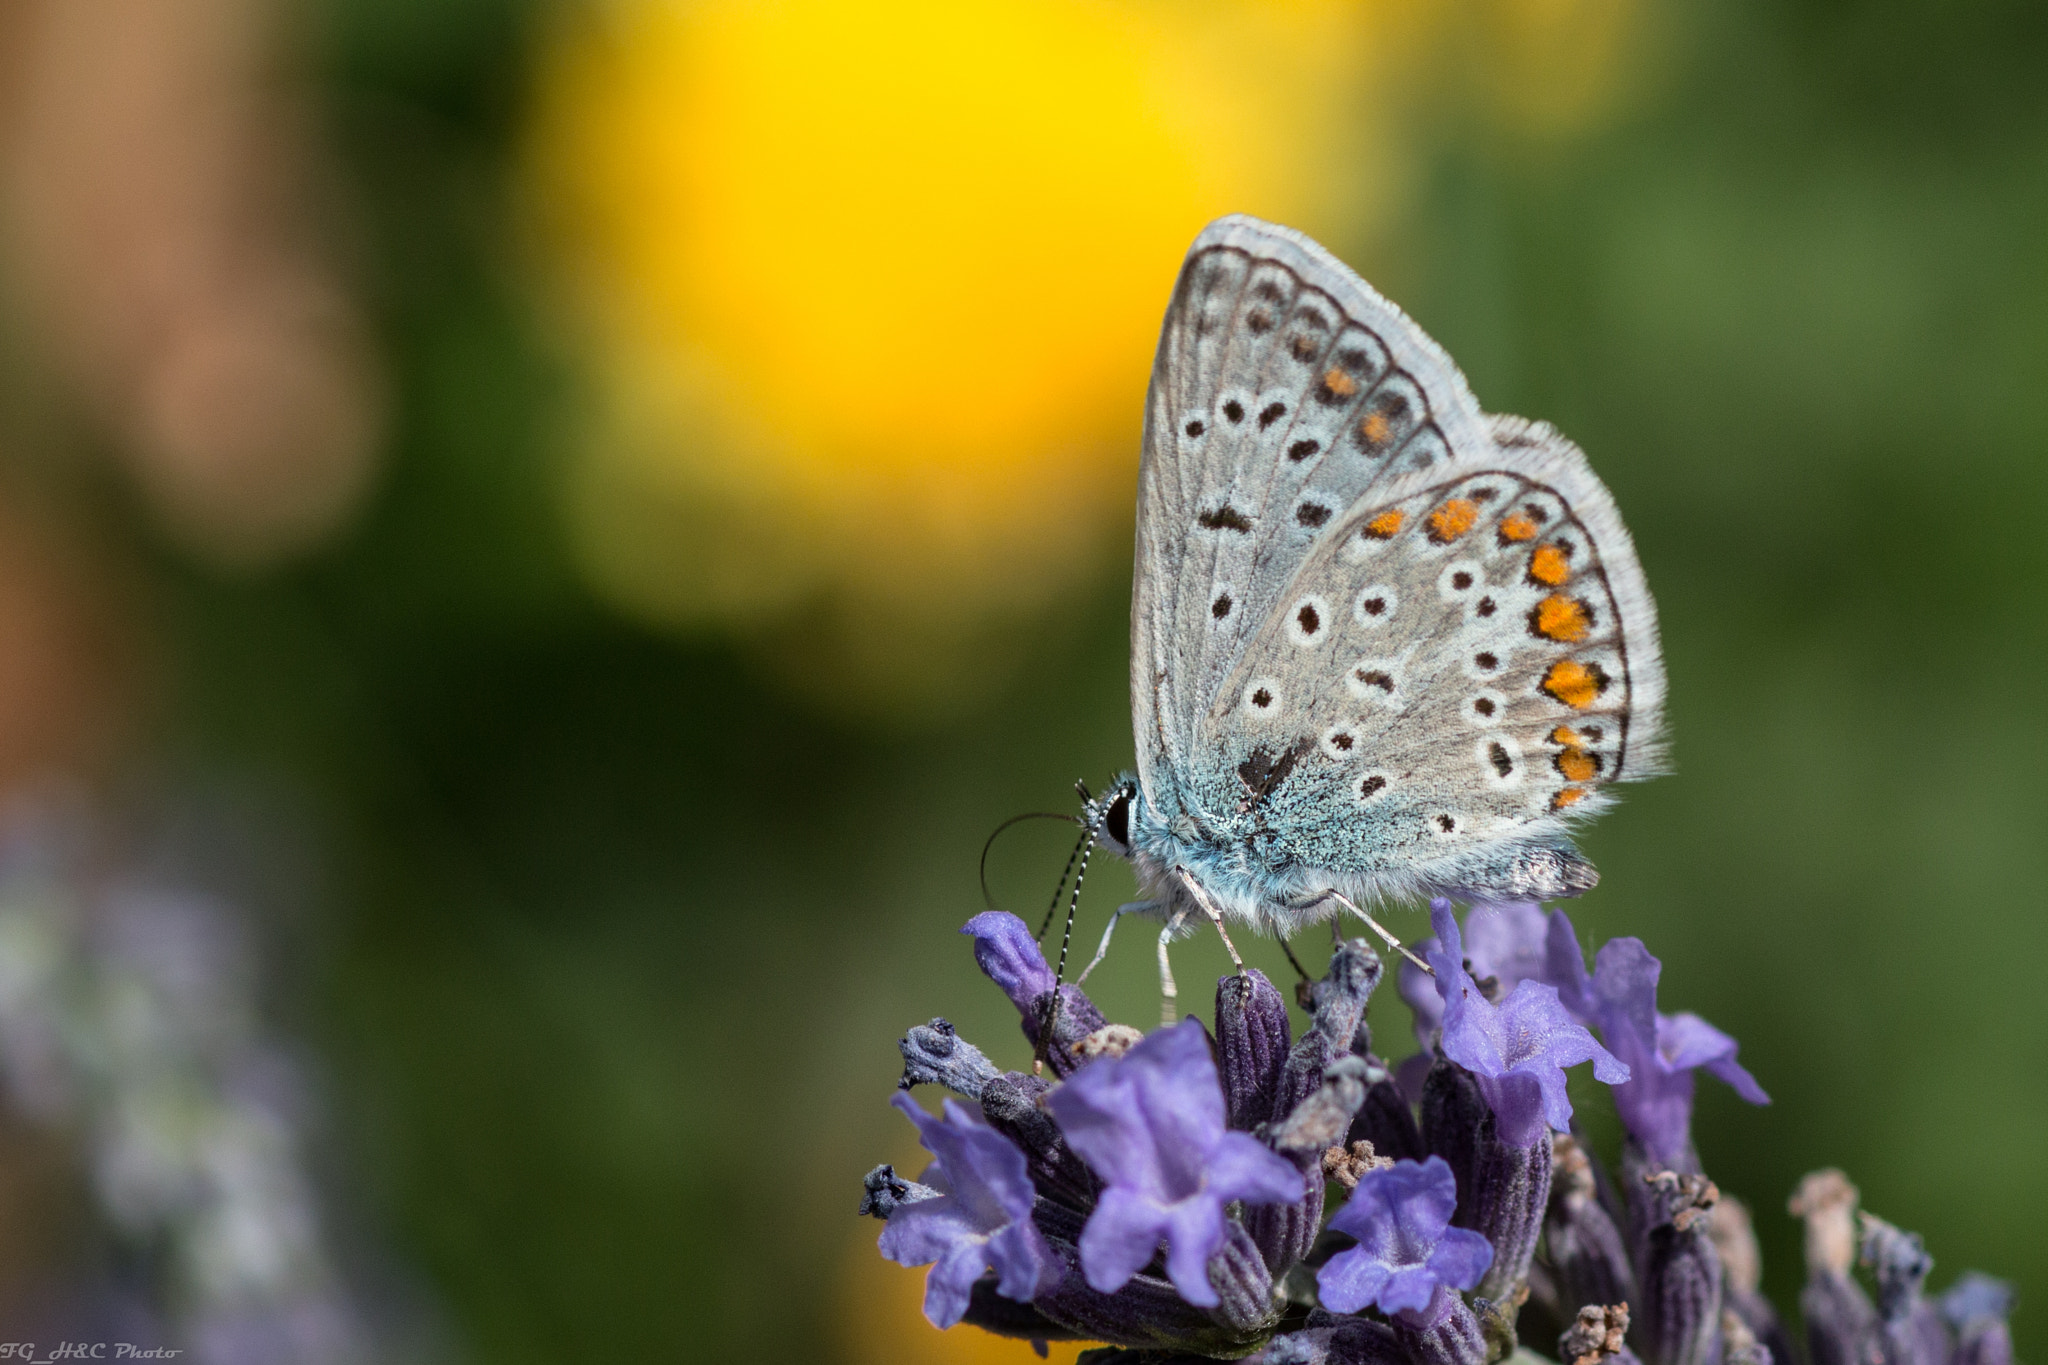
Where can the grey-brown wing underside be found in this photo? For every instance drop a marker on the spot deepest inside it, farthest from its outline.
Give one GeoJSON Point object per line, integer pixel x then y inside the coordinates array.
{"type": "Point", "coordinates": [1284, 389]}
{"type": "Point", "coordinates": [1464, 663]}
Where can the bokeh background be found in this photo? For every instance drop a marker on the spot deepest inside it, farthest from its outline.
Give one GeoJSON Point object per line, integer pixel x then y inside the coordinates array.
{"type": "Point", "coordinates": [537, 540]}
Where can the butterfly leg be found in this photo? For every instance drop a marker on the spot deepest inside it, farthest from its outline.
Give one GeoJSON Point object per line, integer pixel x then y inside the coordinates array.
{"type": "Point", "coordinates": [1169, 994]}
{"type": "Point", "coordinates": [1215, 916]}
{"type": "Point", "coordinates": [1304, 984]}
{"type": "Point", "coordinates": [1377, 928]}
{"type": "Point", "coordinates": [1134, 908]}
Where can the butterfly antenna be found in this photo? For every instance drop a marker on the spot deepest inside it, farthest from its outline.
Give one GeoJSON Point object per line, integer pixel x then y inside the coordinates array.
{"type": "Point", "coordinates": [1087, 838]}
{"type": "Point", "coordinates": [987, 897]}
{"type": "Point", "coordinates": [1085, 851]}
{"type": "Point", "coordinates": [1073, 906]}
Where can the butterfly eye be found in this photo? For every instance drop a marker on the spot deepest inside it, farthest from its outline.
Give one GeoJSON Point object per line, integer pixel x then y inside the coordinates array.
{"type": "Point", "coordinates": [1116, 821]}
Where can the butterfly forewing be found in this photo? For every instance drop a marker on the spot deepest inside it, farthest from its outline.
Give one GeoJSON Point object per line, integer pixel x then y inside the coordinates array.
{"type": "Point", "coordinates": [1284, 390]}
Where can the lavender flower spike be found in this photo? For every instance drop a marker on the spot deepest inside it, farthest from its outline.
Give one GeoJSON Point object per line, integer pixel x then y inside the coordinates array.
{"type": "Point", "coordinates": [981, 1217]}
{"type": "Point", "coordinates": [1661, 1050]}
{"type": "Point", "coordinates": [1407, 1250]}
{"type": "Point", "coordinates": [1151, 1124]}
{"type": "Point", "coordinates": [1516, 1050]}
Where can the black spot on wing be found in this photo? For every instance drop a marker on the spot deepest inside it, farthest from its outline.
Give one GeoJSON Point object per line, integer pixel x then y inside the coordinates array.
{"type": "Point", "coordinates": [1263, 772]}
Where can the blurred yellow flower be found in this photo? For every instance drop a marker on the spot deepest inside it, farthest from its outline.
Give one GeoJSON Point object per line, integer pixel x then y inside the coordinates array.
{"type": "Point", "coordinates": [869, 291]}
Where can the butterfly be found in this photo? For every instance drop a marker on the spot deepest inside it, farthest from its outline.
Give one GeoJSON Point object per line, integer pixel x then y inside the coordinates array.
{"type": "Point", "coordinates": [1384, 645]}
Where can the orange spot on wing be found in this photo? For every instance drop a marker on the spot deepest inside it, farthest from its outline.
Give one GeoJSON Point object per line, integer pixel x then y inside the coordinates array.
{"type": "Point", "coordinates": [1548, 566]}
{"type": "Point", "coordinates": [1560, 618]}
{"type": "Point", "coordinates": [1383, 526]}
{"type": "Point", "coordinates": [1564, 734]}
{"type": "Point", "coordinates": [1573, 683]}
{"type": "Point", "coordinates": [1577, 765]}
{"type": "Point", "coordinates": [1517, 527]}
{"type": "Point", "coordinates": [1452, 520]}
{"type": "Point", "coordinates": [1339, 383]}
{"type": "Point", "coordinates": [1374, 428]}
{"type": "Point", "coordinates": [1569, 796]}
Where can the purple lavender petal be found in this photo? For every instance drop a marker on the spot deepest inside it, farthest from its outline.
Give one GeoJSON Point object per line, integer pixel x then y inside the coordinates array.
{"type": "Point", "coordinates": [1506, 940]}
{"type": "Point", "coordinates": [1516, 1050]}
{"type": "Point", "coordinates": [1461, 1258]}
{"type": "Point", "coordinates": [1194, 1232]}
{"type": "Point", "coordinates": [921, 1233]}
{"type": "Point", "coordinates": [1352, 1280]}
{"type": "Point", "coordinates": [1241, 1167]}
{"type": "Point", "coordinates": [1564, 966]}
{"type": "Point", "coordinates": [1400, 1216]}
{"type": "Point", "coordinates": [1120, 1237]}
{"type": "Point", "coordinates": [1411, 1288]}
{"type": "Point", "coordinates": [1662, 1051]}
{"type": "Point", "coordinates": [1008, 955]}
{"type": "Point", "coordinates": [1151, 1124]}
{"type": "Point", "coordinates": [981, 1217]}
{"type": "Point", "coordinates": [1686, 1040]}
{"type": "Point", "coordinates": [1418, 992]}
{"type": "Point", "coordinates": [950, 1284]}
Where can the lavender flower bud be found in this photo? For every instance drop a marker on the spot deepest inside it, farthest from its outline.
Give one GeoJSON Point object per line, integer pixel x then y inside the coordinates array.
{"type": "Point", "coordinates": [884, 1191]}
{"type": "Point", "coordinates": [1238, 1274]}
{"type": "Point", "coordinates": [1010, 1104]}
{"type": "Point", "coordinates": [1340, 997]}
{"type": "Point", "coordinates": [1333, 1340]}
{"type": "Point", "coordinates": [1598, 1334]}
{"type": "Point", "coordinates": [1147, 1314]}
{"type": "Point", "coordinates": [1252, 1040]}
{"type": "Point", "coordinates": [1586, 1249]}
{"type": "Point", "coordinates": [1977, 1308]}
{"type": "Point", "coordinates": [1841, 1325]}
{"type": "Point", "coordinates": [991, 1312]}
{"type": "Point", "coordinates": [1008, 955]}
{"type": "Point", "coordinates": [1742, 1272]}
{"type": "Point", "coordinates": [1310, 1094]}
{"type": "Point", "coordinates": [1325, 1115]}
{"type": "Point", "coordinates": [933, 1054]}
{"type": "Point", "coordinates": [1680, 1311]}
{"type": "Point", "coordinates": [1386, 1121]}
{"type": "Point", "coordinates": [1510, 1191]}
{"type": "Point", "coordinates": [1739, 1345]}
{"type": "Point", "coordinates": [1453, 1111]}
{"type": "Point", "coordinates": [1445, 1333]}
{"type": "Point", "coordinates": [1914, 1333]}
{"type": "Point", "coordinates": [1285, 1233]}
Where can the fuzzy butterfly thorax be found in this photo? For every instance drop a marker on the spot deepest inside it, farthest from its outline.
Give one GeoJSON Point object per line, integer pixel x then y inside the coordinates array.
{"type": "Point", "coordinates": [1382, 643]}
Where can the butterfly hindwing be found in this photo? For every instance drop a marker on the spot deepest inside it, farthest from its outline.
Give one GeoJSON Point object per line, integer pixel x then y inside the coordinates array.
{"type": "Point", "coordinates": [1464, 666]}
{"type": "Point", "coordinates": [1284, 389]}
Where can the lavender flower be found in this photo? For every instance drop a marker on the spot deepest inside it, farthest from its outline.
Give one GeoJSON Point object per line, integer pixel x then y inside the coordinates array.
{"type": "Point", "coordinates": [1167, 1198]}
{"type": "Point", "coordinates": [1150, 1123]}
{"type": "Point", "coordinates": [1503, 945]}
{"type": "Point", "coordinates": [1518, 1049]}
{"type": "Point", "coordinates": [1007, 953]}
{"type": "Point", "coordinates": [976, 1214]}
{"type": "Point", "coordinates": [1408, 1254]}
{"type": "Point", "coordinates": [1661, 1050]}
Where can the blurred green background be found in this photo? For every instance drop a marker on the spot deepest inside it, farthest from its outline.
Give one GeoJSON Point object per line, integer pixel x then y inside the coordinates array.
{"type": "Point", "coordinates": [633, 874]}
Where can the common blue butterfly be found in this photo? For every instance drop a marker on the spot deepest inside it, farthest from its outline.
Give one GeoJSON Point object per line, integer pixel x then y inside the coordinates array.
{"type": "Point", "coordinates": [1384, 645]}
